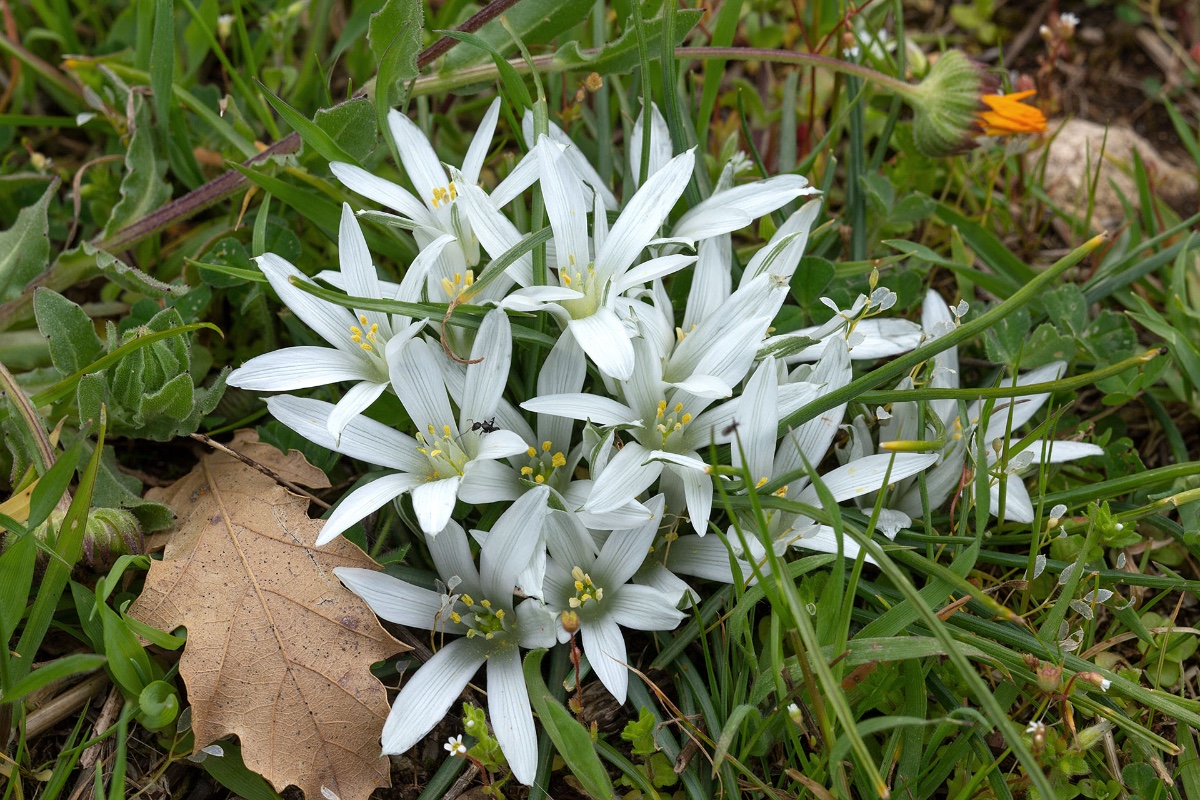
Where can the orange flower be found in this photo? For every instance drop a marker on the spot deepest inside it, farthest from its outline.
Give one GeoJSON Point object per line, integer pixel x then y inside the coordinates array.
{"type": "Point", "coordinates": [1009, 115]}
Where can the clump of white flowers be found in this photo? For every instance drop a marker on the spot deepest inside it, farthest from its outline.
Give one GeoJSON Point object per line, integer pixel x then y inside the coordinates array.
{"type": "Point", "coordinates": [595, 462]}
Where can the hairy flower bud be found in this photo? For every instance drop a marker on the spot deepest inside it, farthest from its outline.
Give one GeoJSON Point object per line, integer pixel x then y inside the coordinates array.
{"type": "Point", "coordinates": [108, 534]}
{"type": "Point", "coordinates": [945, 105]}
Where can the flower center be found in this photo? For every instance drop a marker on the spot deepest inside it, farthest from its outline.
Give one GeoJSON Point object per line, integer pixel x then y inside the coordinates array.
{"type": "Point", "coordinates": [584, 282]}
{"type": "Point", "coordinates": [460, 283]}
{"type": "Point", "coordinates": [443, 195]}
{"type": "Point", "coordinates": [480, 618]}
{"type": "Point", "coordinates": [669, 424]}
{"type": "Point", "coordinates": [446, 456]}
{"type": "Point", "coordinates": [542, 465]}
{"type": "Point", "coordinates": [365, 337]}
{"type": "Point", "coordinates": [585, 590]}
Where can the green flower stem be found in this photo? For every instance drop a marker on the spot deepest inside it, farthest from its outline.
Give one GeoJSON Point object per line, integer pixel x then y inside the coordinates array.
{"type": "Point", "coordinates": [430, 84]}
{"type": "Point", "coordinates": [894, 370]}
{"type": "Point", "coordinates": [1002, 392]}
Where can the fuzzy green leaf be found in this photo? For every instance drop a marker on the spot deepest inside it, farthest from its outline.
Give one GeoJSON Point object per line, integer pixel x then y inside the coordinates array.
{"type": "Point", "coordinates": [142, 189]}
{"type": "Point", "coordinates": [25, 247]}
{"type": "Point", "coordinates": [73, 340]}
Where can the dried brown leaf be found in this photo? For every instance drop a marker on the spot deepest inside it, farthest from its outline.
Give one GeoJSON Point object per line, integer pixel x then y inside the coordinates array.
{"type": "Point", "coordinates": [278, 651]}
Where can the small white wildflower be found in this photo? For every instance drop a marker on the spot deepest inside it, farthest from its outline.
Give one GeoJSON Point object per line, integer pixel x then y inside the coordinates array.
{"type": "Point", "coordinates": [1058, 511]}
{"type": "Point", "coordinates": [961, 309]}
{"type": "Point", "coordinates": [882, 413]}
{"type": "Point", "coordinates": [455, 747]}
{"type": "Point", "coordinates": [794, 714]}
{"type": "Point", "coordinates": [1035, 727]}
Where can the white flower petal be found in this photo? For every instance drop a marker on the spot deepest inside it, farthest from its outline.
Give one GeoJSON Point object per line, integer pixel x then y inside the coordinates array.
{"type": "Point", "coordinates": [727, 211]}
{"type": "Point", "coordinates": [782, 254]}
{"type": "Point", "coordinates": [604, 338]}
{"type": "Point", "coordinates": [599, 410]}
{"type": "Point", "coordinates": [480, 142]}
{"type": "Point", "coordinates": [451, 554]}
{"type": "Point", "coordinates": [626, 550]}
{"type": "Point", "coordinates": [704, 557]}
{"type": "Point", "coordinates": [642, 608]}
{"type": "Point", "coordinates": [565, 207]}
{"type": "Point", "coordinates": [660, 144]}
{"type": "Point", "coordinates": [511, 717]}
{"type": "Point", "coordinates": [499, 444]}
{"type": "Point", "coordinates": [433, 502]}
{"type": "Point", "coordinates": [384, 192]}
{"type": "Point", "coordinates": [428, 694]}
{"type": "Point", "coordinates": [605, 648]}
{"type": "Point", "coordinates": [362, 438]}
{"type": "Point", "coordinates": [365, 500]}
{"type": "Point", "coordinates": [511, 543]}
{"type": "Point", "coordinates": [397, 601]}
{"type": "Point", "coordinates": [421, 163]}
{"type": "Point", "coordinates": [640, 220]}
{"type": "Point", "coordinates": [354, 402]}
{"type": "Point", "coordinates": [489, 482]}
{"type": "Point", "coordinates": [417, 381]}
{"type": "Point", "coordinates": [650, 270]}
{"type": "Point", "coordinates": [866, 475]}
{"type": "Point", "coordinates": [300, 368]}
{"type": "Point", "coordinates": [535, 625]}
{"type": "Point", "coordinates": [569, 543]}
{"type": "Point", "coordinates": [331, 322]}
{"type": "Point", "coordinates": [523, 175]}
{"type": "Point", "coordinates": [1056, 452]}
{"type": "Point", "coordinates": [627, 475]}
{"type": "Point", "coordinates": [495, 231]}
{"type": "Point", "coordinates": [361, 278]}
{"type": "Point", "coordinates": [1018, 506]}
{"type": "Point", "coordinates": [487, 377]}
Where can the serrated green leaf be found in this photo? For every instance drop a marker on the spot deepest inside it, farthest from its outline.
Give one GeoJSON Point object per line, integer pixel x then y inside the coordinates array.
{"type": "Point", "coordinates": [395, 37]}
{"type": "Point", "coordinates": [142, 189]}
{"type": "Point", "coordinates": [571, 739]}
{"type": "Point", "coordinates": [25, 247]}
{"type": "Point", "coordinates": [1004, 340]}
{"type": "Point", "coordinates": [1066, 307]}
{"type": "Point", "coordinates": [1046, 344]}
{"type": "Point", "coordinates": [351, 125]}
{"type": "Point", "coordinates": [73, 340]}
{"type": "Point", "coordinates": [533, 21]}
{"type": "Point", "coordinates": [621, 54]}
{"type": "Point", "coordinates": [130, 277]}
{"type": "Point", "coordinates": [310, 133]}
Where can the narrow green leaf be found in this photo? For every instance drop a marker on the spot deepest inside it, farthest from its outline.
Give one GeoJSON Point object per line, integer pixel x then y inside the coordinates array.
{"type": "Point", "coordinates": [52, 486]}
{"type": "Point", "coordinates": [621, 54]}
{"type": "Point", "coordinates": [65, 667]}
{"type": "Point", "coordinates": [25, 247]}
{"type": "Point", "coordinates": [162, 64]}
{"type": "Point", "coordinates": [989, 249]}
{"type": "Point", "coordinates": [16, 564]}
{"type": "Point", "coordinates": [67, 549]}
{"type": "Point", "coordinates": [514, 84]}
{"type": "Point", "coordinates": [310, 133]}
{"type": "Point", "coordinates": [570, 738]}
{"type": "Point", "coordinates": [230, 771]}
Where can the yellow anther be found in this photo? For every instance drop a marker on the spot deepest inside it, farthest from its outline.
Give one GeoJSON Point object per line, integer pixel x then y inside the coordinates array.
{"type": "Point", "coordinates": [455, 616]}
{"type": "Point", "coordinates": [466, 598]}
{"type": "Point", "coordinates": [453, 191]}
{"type": "Point", "coordinates": [558, 460]}
{"type": "Point", "coordinates": [546, 447]}
{"type": "Point", "coordinates": [531, 452]}
{"type": "Point", "coordinates": [365, 346]}
{"type": "Point", "coordinates": [526, 470]}
{"type": "Point", "coordinates": [499, 613]}
{"type": "Point", "coordinates": [566, 279]}
{"type": "Point", "coordinates": [446, 430]}
{"type": "Point", "coordinates": [761, 483]}
{"type": "Point", "coordinates": [539, 479]}
{"type": "Point", "coordinates": [678, 408]}
{"type": "Point", "coordinates": [485, 603]}
{"type": "Point", "coordinates": [422, 451]}
{"type": "Point", "coordinates": [662, 408]}
{"type": "Point", "coordinates": [362, 318]}
{"type": "Point", "coordinates": [686, 418]}
{"type": "Point", "coordinates": [435, 454]}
